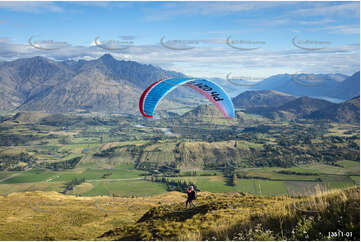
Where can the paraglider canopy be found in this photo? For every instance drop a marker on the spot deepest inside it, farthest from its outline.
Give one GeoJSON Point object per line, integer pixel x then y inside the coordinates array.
{"type": "Point", "coordinates": [153, 94]}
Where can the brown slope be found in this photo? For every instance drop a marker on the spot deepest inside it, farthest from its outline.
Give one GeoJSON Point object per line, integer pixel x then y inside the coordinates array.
{"type": "Point", "coordinates": [346, 112]}
{"type": "Point", "coordinates": [40, 84]}
{"type": "Point", "coordinates": [262, 98]}
{"type": "Point", "coordinates": [24, 78]}
{"type": "Point", "coordinates": [305, 105]}
{"type": "Point", "coordinates": [87, 90]}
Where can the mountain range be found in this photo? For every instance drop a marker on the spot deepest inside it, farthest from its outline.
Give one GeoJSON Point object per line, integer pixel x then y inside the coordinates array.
{"type": "Point", "coordinates": [346, 112]}
{"type": "Point", "coordinates": [314, 85]}
{"type": "Point", "coordinates": [262, 98]}
{"type": "Point", "coordinates": [101, 85]}
{"type": "Point", "coordinates": [274, 104]}
{"type": "Point", "coordinates": [114, 86]}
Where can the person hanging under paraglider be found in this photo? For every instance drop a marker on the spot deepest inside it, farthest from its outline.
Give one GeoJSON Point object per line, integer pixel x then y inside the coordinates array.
{"type": "Point", "coordinates": [191, 196]}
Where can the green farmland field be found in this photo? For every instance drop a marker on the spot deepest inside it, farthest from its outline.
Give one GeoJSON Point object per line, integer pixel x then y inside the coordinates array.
{"type": "Point", "coordinates": [34, 175]}
{"type": "Point", "coordinates": [126, 188]}
{"type": "Point", "coordinates": [254, 186]}
{"type": "Point", "coordinates": [356, 179]}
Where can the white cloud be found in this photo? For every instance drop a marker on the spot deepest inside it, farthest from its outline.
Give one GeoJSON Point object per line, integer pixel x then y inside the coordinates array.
{"type": "Point", "coordinates": [276, 22]}
{"type": "Point", "coordinates": [339, 29]}
{"type": "Point", "coordinates": [31, 7]}
{"type": "Point", "coordinates": [104, 4]}
{"type": "Point", "coordinates": [317, 22]}
{"type": "Point", "coordinates": [5, 40]}
{"type": "Point", "coordinates": [212, 61]}
{"type": "Point", "coordinates": [321, 9]}
{"type": "Point", "coordinates": [171, 10]}
{"type": "Point", "coordinates": [343, 29]}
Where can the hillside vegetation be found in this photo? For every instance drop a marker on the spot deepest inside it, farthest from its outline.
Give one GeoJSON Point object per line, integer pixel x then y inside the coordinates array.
{"type": "Point", "coordinates": [262, 98]}
{"type": "Point", "coordinates": [306, 108]}
{"type": "Point", "coordinates": [44, 152]}
{"type": "Point", "coordinates": [222, 216]}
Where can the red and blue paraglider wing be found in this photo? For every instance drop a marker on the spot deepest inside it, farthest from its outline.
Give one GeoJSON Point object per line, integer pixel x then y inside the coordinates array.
{"type": "Point", "coordinates": [158, 90]}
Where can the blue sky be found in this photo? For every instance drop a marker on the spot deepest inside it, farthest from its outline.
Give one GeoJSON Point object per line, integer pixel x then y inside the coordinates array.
{"type": "Point", "coordinates": [327, 34]}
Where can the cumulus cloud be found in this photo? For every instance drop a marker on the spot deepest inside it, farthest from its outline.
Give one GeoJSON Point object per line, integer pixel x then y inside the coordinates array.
{"type": "Point", "coordinates": [31, 7]}
{"type": "Point", "coordinates": [321, 9]}
{"type": "Point", "coordinates": [343, 29]}
{"type": "Point", "coordinates": [170, 10]}
{"type": "Point", "coordinates": [317, 22]}
{"type": "Point", "coordinates": [211, 60]}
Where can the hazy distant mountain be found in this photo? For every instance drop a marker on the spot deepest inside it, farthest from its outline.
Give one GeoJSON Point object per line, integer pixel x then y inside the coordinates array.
{"type": "Point", "coordinates": [263, 98]}
{"type": "Point", "coordinates": [349, 88]}
{"type": "Point", "coordinates": [260, 103]}
{"type": "Point", "coordinates": [316, 85]}
{"type": "Point", "coordinates": [296, 108]}
{"type": "Point", "coordinates": [103, 85]}
{"type": "Point", "coordinates": [231, 89]}
{"type": "Point", "coordinates": [346, 112]}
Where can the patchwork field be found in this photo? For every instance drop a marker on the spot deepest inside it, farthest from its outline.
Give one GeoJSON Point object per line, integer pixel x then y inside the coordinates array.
{"type": "Point", "coordinates": [124, 180]}
{"type": "Point", "coordinates": [88, 155]}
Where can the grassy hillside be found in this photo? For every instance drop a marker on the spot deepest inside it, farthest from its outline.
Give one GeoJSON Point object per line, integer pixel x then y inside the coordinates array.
{"type": "Point", "coordinates": [244, 217]}
{"type": "Point", "coordinates": [262, 98]}
{"type": "Point", "coordinates": [224, 216]}
{"type": "Point", "coordinates": [53, 216]}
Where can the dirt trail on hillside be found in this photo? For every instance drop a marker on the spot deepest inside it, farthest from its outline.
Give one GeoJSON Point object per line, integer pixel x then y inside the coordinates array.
{"type": "Point", "coordinates": [8, 177]}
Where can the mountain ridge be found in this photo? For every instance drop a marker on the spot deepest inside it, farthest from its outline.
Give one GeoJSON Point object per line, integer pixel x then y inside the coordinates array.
{"type": "Point", "coordinates": [305, 107]}
{"type": "Point", "coordinates": [101, 85]}
{"type": "Point", "coordinates": [114, 86]}
{"type": "Point", "coordinates": [327, 85]}
{"type": "Point", "coordinates": [262, 98]}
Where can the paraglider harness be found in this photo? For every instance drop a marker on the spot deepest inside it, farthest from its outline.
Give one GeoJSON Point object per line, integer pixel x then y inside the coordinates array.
{"type": "Point", "coordinates": [192, 195]}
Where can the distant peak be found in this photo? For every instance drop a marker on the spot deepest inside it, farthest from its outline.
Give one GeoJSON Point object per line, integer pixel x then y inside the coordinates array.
{"type": "Point", "coordinates": [304, 98]}
{"type": "Point", "coordinates": [35, 60]}
{"type": "Point", "coordinates": [266, 92]}
{"type": "Point", "coordinates": [107, 57]}
{"type": "Point", "coordinates": [39, 58]}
